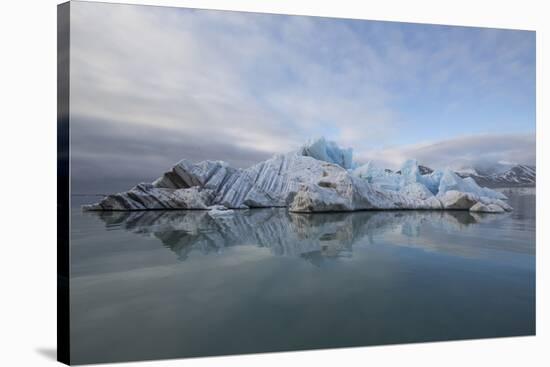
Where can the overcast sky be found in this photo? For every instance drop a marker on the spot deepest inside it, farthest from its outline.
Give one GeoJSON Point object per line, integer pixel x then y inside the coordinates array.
{"type": "Point", "coordinates": [153, 85]}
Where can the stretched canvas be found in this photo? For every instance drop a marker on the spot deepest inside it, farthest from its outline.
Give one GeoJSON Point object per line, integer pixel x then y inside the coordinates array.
{"type": "Point", "coordinates": [235, 182]}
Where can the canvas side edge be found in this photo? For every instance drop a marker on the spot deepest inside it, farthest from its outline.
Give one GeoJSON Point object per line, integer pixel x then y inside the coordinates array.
{"type": "Point", "coordinates": [63, 183]}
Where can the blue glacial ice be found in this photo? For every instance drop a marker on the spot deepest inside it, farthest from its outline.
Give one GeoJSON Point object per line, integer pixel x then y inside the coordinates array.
{"type": "Point", "coordinates": [328, 151]}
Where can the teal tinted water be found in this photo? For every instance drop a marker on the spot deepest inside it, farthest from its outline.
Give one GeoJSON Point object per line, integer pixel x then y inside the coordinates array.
{"type": "Point", "coordinates": [168, 284]}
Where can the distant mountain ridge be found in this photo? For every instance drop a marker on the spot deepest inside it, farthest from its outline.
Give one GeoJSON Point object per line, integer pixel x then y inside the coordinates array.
{"type": "Point", "coordinates": [520, 175]}
{"type": "Point", "coordinates": [422, 169]}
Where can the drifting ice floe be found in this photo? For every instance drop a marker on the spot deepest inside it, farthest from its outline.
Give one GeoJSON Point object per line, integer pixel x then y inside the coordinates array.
{"type": "Point", "coordinates": [318, 177]}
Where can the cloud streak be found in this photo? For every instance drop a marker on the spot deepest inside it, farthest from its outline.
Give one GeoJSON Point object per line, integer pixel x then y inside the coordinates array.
{"type": "Point", "coordinates": [476, 149]}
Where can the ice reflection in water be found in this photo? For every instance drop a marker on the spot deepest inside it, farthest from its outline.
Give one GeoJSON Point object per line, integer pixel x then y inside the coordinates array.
{"type": "Point", "coordinates": [313, 237]}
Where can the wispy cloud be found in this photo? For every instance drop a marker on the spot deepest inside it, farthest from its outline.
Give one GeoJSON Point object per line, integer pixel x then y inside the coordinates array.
{"type": "Point", "coordinates": [251, 78]}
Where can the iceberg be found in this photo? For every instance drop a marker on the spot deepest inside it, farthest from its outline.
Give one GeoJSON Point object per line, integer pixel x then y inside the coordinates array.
{"type": "Point", "coordinates": [318, 177]}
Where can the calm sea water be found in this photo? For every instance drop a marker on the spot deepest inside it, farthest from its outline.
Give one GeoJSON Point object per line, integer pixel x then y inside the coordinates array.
{"type": "Point", "coordinates": [168, 284]}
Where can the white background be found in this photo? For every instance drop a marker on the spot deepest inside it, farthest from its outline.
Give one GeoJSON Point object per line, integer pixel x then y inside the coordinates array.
{"type": "Point", "coordinates": [28, 183]}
